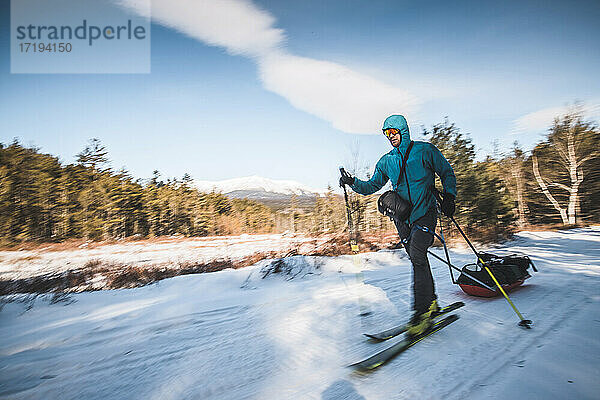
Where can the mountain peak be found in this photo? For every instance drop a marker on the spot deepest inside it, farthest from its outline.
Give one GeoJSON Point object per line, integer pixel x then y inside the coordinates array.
{"type": "Point", "coordinates": [258, 184]}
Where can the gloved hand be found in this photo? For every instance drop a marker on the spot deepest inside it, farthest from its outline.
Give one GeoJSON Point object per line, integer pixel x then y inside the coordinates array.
{"type": "Point", "coordinates": [346, 178]}
{"type": "Point", "coordinates": [448, 207]}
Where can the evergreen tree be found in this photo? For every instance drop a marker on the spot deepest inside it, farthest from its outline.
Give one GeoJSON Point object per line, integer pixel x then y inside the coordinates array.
{"type": "Point", "coordinates": [482, 205]}
{"type": "Point", "coordinates": [94, 155]}
{"type": "Point", "coordinates": [42, 200]}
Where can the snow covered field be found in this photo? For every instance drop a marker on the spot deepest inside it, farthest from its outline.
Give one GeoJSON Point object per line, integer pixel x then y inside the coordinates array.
{"type": "Point", "coordinates": [290, 335]}
{"type": "Point", "coordinates": [168, 252]}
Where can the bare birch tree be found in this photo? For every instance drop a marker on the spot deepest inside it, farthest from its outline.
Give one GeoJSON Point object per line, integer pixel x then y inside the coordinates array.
{"type": "Point", "coordinates": [564, 158]}
{"type": "Point", "coordinates": [513, 176]}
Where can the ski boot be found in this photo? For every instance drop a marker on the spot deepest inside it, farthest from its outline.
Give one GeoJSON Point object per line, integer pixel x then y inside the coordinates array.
{"type": "Point", "coordinates": [422, 322]}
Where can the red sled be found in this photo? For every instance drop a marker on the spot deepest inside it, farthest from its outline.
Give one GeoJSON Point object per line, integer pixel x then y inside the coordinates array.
{"type": "Point", "coordinates": [509, 271]}
{"type": "Point", "coordinates": [480, 291]}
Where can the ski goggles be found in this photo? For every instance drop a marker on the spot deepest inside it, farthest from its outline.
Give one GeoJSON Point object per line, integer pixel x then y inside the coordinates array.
{"type": "Point", "coordinates": [391, 132]}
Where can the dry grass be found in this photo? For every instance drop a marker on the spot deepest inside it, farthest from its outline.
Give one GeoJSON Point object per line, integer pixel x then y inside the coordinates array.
{"type": "Point", "coordinates": [30, 257]}
{"type": "Point", "coordinates": [76, 244]}
{"type": "Point", "coordinates": [370, 237]}
{"type": "Point", "coordinates": [101, 275]}
{"type": "Point", "coordinates": [549, 227]}
{"type": "Point", "coordinates": [98, 274]}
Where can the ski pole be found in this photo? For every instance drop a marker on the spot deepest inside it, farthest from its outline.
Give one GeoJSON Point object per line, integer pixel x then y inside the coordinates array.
{"type": "Point", "coordinates": [363, 309]}
{"type": "Point", "coordinates": [446, 251]}
{"type": "Point", "coordinates": [443, 240]}
{"type": "Point", "coordinates": [450, 266]}
{"type": "Point", "coordinates": [353, 243]}
{"type": "Point", "coordinates": [525, 323]}
{"type": "Point", "coordinates": [447, 260]}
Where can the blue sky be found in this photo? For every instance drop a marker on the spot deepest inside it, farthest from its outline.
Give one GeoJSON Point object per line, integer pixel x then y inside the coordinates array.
{"type": "Point", "coordinates": [287, 89]}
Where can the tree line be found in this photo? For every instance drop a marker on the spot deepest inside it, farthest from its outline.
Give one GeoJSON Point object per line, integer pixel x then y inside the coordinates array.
{"type": "Point", "coordinates": [43, 200]}
{"type": "Point", "coordinates": [557, 183]}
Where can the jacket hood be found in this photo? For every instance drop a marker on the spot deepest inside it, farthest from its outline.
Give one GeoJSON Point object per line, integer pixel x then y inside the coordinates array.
{"type": "Point", "coordinates": [399, 122]}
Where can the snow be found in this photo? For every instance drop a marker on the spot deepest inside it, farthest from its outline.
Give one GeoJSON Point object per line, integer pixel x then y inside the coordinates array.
{"type": "Point", "coordinates": [257, 183]}
{"type": "Point", "coordinates": [290, 330]}
{"type": "Point", "coordinates": [174, 251]}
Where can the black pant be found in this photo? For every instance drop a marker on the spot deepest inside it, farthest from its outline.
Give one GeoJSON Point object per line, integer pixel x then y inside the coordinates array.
{"type": "Point", "coordinates": [416, 247]}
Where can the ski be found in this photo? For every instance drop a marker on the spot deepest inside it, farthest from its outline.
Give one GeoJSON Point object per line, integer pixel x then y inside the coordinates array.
{"type": "Point", "coordinates": [386, 355]}
{"type": "Point", "coordinates": [395, 331]}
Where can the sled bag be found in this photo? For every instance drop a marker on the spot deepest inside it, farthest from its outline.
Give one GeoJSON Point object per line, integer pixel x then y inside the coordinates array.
{"type": "Point", "coordinates": [510, 271]}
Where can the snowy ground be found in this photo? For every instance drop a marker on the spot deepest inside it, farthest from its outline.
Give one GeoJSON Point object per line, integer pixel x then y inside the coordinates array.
{"type": "Point", "coordinates": [234, 335]}
{"type": "Point", "coordinates": [168, 252]}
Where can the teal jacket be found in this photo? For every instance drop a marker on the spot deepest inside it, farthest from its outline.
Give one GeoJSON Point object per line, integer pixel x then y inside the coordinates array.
{"type": "Point", "coordinates": [424, 161]}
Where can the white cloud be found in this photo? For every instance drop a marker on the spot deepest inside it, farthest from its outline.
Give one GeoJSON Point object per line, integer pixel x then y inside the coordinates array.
{"type": "Point", "coordinates": [537, 121]}
{"type": "Point", "coordinates": [352, 102]}
{"type": "Point", "coordinates": [237, 25]}
{"type": "Point", "coordinates": [543, 119]}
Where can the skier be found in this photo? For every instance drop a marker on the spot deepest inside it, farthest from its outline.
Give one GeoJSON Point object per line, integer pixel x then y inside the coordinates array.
{"type": "Point", "coordinates": [423, 161]}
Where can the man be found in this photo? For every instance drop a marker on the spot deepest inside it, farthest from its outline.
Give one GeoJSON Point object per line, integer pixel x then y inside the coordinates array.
{"type": "Point", "coordinates": [423, 162]}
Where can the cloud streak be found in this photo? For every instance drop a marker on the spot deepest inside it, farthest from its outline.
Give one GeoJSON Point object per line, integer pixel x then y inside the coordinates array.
{"type": "Point", "coordinates": [236, 25]}
{"type": "Point", "coordinates": [351, 101]}
{"type": "Point", "coordinates": [542, 120]}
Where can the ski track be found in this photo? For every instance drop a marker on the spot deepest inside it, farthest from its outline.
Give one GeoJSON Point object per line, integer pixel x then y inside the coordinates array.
{"type": "Point", "coordinates": [478, 363]}
{"type": "Point", "coordinates": [230, 335]}
{"type": "Point", "coordinates": [506, 353]}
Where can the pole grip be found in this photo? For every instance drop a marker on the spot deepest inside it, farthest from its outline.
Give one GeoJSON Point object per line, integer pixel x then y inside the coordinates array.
{"type": "Point", "coordinates": [343, 172]}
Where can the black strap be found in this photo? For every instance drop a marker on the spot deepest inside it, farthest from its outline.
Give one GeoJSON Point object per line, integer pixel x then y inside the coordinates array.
{"type": "Point", "coordinates": [403, 165]}
{"type": "Point", "coordinates": [408, 187]}
{"type": "Point", "coordinates": [403, 170]}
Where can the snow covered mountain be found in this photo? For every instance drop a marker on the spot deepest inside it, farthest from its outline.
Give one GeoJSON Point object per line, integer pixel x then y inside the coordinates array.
{"type": "Point", "coordinates": [272, 192]}
{"type": "Point", "coordinates": [258, 184]}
